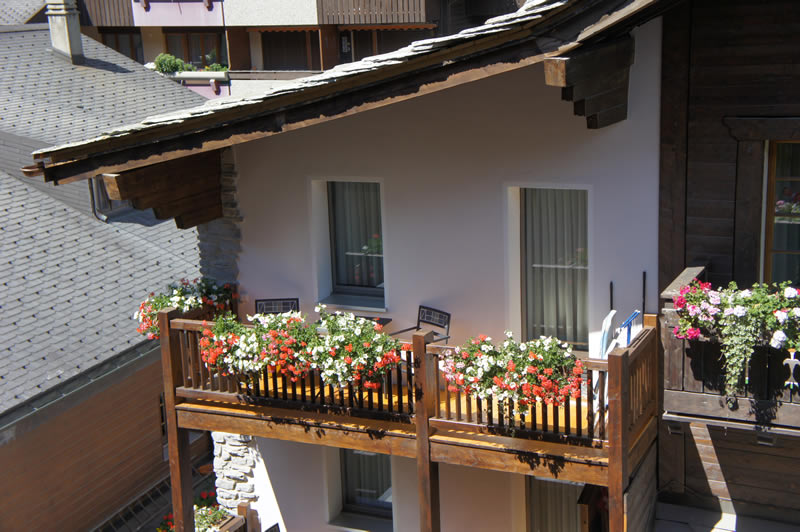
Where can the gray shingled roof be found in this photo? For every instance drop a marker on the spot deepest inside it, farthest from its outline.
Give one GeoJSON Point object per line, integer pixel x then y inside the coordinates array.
{"type": "Point", "coordinates": [532, 10]}
{"type": "Point", "coordinates": [69, 285]}
{"type": "Point", "coordinates": [48, 99]}
{"type": "Point", "coordinates": [19, 11]}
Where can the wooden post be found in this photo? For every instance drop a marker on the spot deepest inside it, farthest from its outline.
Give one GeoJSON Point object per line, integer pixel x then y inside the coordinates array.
{"type": "Point", "coordinates": [180, 469]}
{"type": "Point", "coordinates": [618, 425]}
{"type": "Point", "coordinates": [426, 395]}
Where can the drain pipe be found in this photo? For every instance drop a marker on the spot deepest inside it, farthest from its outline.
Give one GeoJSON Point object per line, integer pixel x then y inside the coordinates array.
{"type": "Point", "coordinates": [102, 217]}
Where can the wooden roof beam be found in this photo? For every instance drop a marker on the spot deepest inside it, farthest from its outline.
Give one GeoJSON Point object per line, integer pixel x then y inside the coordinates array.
{"type": "Point", "coordinates": [596, 80]}
{"type": "Point", "coordinates": [188, 189]}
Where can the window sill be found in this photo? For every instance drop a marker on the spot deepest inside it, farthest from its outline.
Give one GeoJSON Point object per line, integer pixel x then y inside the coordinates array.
{"type": "Point", "coordinates": [355, 302]}
{"type": "Point", "coordinates": [348, 522]}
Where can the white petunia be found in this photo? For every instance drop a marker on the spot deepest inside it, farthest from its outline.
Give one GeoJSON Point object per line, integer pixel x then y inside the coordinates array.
{"type": "Point", "coordinates": [790, 293]}
{"type": "Point", "coordinates": [778, 339]}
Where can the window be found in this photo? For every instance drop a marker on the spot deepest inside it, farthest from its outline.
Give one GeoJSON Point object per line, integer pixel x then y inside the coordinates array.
{"type": "Point", "coordinates": [555, 264]}
{"type": "Point", "coordinates": [366, 483]}
{"type": "Point", "coordinates": [127, 43]}
{"type": "Point", "coordinates": [782, 245]}
{"type": "Point", "coordinates": [356, 238]}
{"type": "Point", "coordinates": [290, 50]}
{"type": "Point", "coordinates": [200, 48]}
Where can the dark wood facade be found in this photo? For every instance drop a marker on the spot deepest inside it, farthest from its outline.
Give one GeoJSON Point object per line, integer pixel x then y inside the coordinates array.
{"type": "Point", "coordinates": [113, 13]}
{"type": "Point", "coordinates": [78, 467]}
{"type": "Point", "coordinates": [730, 84]}
{"type": "Point", "coordinates": [722, 60]}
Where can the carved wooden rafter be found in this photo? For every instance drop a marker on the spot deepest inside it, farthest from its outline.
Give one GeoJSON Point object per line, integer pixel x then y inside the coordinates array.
{"type": "Point", "coordinates": [188, 190]}
{"type": "Point", "coordinates": [595, 79]}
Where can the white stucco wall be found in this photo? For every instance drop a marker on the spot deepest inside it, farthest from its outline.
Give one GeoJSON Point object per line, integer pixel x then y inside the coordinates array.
{"type": "Point", "coordinates": [299, 487]}
{"type": "Point", "coordinates": [271, 12]}
{"type": "Point", "coordinates": [449, 164]}
{"type": "Point", "coordinates": [178, 13]}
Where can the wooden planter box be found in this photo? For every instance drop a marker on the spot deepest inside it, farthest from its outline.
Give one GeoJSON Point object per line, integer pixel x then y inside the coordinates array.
{"type": "Point", "coordinates": [694, 383]}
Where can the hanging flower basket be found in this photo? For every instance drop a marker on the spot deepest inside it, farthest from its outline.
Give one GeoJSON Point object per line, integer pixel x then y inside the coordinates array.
{"type": "Point", "coordinates": [741, 321]}
{"type": "Point", "coordinates": [202, 295]}
{"type": "Point", "coordinates": [352, 350]}
{"type": "Point", "coordinates": [541, 370]}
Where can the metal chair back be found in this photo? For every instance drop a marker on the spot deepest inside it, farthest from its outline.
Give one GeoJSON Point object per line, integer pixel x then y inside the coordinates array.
{"type": "Point", "coordinates": [277, 306]}
{"type": "Point", "coordinates": [435, 317]}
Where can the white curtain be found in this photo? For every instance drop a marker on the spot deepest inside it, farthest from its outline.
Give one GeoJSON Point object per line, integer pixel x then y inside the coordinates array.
{"type": "Point", "coordinates": [367, 481]}
{"type": "Point", "coordinates": [556, 265]}
{"type": "Point", "coordinates": [356, 234]}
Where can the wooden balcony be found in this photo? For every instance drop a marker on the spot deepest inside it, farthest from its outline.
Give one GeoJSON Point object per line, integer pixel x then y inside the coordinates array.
{"type": "Point", "coordinates": [693, 380]}
{"type": "Point", "coordinates": [374, 12]}
{"type": "Point", "coordinates": [598, 439]}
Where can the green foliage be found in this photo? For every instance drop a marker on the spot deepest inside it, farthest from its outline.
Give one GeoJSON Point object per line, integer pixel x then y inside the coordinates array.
{"type": "Point", "coordinates": [216, 67]}
{"type": "Point", "coordinates": [169, 64]}
{"type": "Point", "coordinates": [740, 320]}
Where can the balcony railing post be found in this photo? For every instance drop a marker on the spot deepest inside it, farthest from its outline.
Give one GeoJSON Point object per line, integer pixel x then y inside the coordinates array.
{"type": "Point", "coordinates": [177, 439]}
{"type": "Point", "coordinates": [425, 397]}
{"type": "Point", "coordinates": [618, 425]}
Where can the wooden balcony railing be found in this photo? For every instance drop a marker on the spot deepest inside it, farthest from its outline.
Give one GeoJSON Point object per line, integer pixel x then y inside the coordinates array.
{"type": "Point", "coordinates": [371, 12]}
{"type": "Point", "coordinates": [694, 379]}
{"type": "Point", "coordinates": [394, 400]}
{"type": "Point", "coordinates": [581, 421]}
{"type": "Point", "coordinates": [597, 439]}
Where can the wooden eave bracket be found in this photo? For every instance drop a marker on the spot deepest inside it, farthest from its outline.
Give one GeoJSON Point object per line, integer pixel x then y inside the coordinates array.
{"type": "Point", "coordinates": [188, 190]}
{"type": "Point", "coordinates": [596, 80]}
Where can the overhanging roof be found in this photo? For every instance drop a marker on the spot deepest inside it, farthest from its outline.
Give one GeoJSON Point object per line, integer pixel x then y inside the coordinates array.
{"type": "Point", "coordinates": [541, 29]}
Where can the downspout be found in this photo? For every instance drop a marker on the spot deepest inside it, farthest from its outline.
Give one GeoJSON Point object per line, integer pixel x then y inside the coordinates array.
{"type": "Point", "coordinates": [102, 217]}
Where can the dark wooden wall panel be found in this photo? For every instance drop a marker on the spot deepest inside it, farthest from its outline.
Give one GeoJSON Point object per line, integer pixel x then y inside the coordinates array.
{"type": "Point", "coordinates": [106, 12]}
{"type": "Point", "coordinates": [743, 60]}
{"type": "Point", "coordinates": [731, 464]}
{"type": "Point", "coordinates": [80, 467]}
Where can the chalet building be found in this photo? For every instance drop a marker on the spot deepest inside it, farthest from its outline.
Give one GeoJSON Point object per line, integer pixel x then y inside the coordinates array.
{"type": "Point", "coordinates": [81, 425]}
{"type": "Point", "coordinates": [264, 42]}
{"type": "Point", "coordinates": [528, 174]}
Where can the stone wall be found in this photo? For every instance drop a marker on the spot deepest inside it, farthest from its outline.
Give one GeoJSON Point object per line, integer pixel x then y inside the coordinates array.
{"type": "Point", "coordinates": [219, 242]}
{"type": "Point", "coordinates": [234, 463]}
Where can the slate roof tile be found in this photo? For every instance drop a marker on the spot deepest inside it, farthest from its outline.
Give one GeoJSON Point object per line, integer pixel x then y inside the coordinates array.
{"type": "Point", "coordinates": [71, 283]}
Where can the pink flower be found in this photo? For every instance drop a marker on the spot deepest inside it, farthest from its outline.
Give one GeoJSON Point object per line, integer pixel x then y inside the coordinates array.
{"type": "Point", "coordinates": [679, 302]}
{"type": "Point", "coordinates": [692, 333]}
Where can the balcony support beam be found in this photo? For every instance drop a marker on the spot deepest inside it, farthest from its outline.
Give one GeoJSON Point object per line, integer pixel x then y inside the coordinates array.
{"type": "Point", "coordinates": [180, 467]}
{"type": "Point", "coordinates": [426, 394]}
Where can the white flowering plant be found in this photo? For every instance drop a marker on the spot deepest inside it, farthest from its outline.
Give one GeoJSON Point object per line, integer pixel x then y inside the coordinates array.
{"type": "Point", "coordinates": [740, 320]}
{"type": "Point", "coordinates": [354, 351]}
{"type": "Point", "coordinates": [184, 295]}
{"type": "Point", "coordinates": [281, 341]}
{"type": "Point", "coordinates": [540, 370]}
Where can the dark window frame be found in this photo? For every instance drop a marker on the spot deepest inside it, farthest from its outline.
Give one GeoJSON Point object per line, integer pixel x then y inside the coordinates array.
{"type": "Point", "coordinates": [769, 212]}
{"type": "Point", "coordinates": [187, 33]}
{"type": "Point", "coordinates": [356, 508]}
{"type": "Point", "coordinates": [337, 288]}
{"type": "Point", "coordinates": [111, 36]}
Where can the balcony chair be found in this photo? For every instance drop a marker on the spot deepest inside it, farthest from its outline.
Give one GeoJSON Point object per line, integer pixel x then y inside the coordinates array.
{"type": "Point", "coordinates": [431, 316]}
{"type": "Point", "coordinates": [606, 341]}
{"type": "Point", "coordinates": [277, 306]}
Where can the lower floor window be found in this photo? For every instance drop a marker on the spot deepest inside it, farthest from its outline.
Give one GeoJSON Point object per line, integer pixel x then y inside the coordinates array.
{"type": "Point", "coordinates": [366, 483]}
